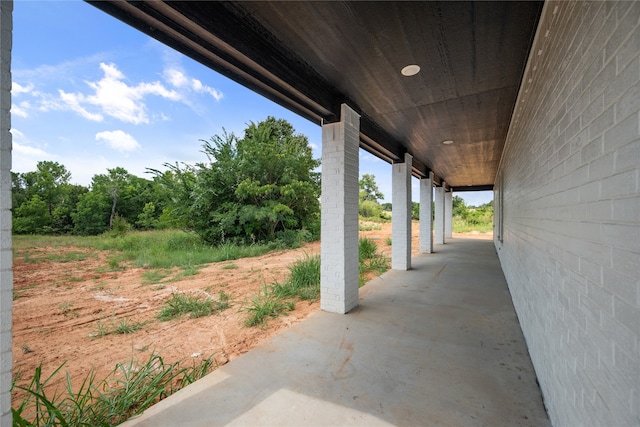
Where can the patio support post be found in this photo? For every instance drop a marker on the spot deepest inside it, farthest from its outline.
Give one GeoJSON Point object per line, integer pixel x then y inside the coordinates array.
{"type": "Point", "coordinates": [439, 215]}
{"type": "Point", "coordinates": [339, 221]}
{"type": "Point", "coordinates": [448, 214]}
{"type": "Point", "coordinates": [426, 221]}
{"type": "Point", "coordinates": [401, 215]}
{"type": "Point", "coordinates": [6, 274]}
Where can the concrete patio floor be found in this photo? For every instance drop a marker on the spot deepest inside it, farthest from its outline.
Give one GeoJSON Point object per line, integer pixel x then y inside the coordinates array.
{"type": "Point", "coordinates": [439, 345]}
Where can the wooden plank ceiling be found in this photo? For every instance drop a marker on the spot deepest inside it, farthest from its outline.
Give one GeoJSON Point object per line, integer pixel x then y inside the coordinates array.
{"type": "Point", "coordinates": [311, 57]}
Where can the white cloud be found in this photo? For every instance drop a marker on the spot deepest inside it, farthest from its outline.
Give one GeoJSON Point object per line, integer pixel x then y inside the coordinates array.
{"type": "Point", "coordinates": [20, 110]}
{"type": "Point", "coordinates": [72, 102]}
{"type": "Point", "coordinates": [17, 88]}
{"type": "Point", "coordinates": [177, 78]}
{"type": "Point", "coordinates": [26, 151]}
{"type": "Point", "coordinates": [25, 157]}
{"type": "Point", "coordinates": [114, 97]}
{"type": "Point", "coordinates": [118, 140]}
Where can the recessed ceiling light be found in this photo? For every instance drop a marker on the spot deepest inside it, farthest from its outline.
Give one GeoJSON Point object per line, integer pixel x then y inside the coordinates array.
{"type": "Point", "coordinates": [447, 142]}
{"type": "Point", "coordinates": [410, 70]}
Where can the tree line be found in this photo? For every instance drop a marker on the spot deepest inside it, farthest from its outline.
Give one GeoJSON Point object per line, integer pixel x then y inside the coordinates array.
{"type": "Point", "coordinates": [255, 188]}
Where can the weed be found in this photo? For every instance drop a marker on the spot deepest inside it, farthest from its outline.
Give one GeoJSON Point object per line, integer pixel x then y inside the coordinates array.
{"type": "Point", "coordinates": [366, 248]}
{"type": "Point", "coordinates": [66, 308]}
{"type": "Point", "coordinates": [389, 241]}
{"type": "Point", "coordinates": [196, 305]}
{"type": "Point", "coordinates": [303, 281]}
{"type": "Point", "coordinates": [121, 327]}
{"type": "Point", "coordinates": [68, 256]}
{"type": "Point", "coordinates": [369, 227]}
{"type": "Point", "coordinates": [187, 271]}
{"type": "Point", "coordinates": [127, 391]}
{"type": "Point", "coordinates": [460, 225]}
{"type": "Point", "coordinates": [98, 287]}
{"type": "Point", "coordinates": [370, 260]}
{"type": "Point", "coordinates": [151, 277]}
{"type": "Point", "coordinates": [264, 305]}
{"type": "Point", "coordinates": [230, 266]}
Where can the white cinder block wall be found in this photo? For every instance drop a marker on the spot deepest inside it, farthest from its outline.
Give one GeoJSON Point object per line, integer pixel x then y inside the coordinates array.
{"type": "Point", "coordinates": [571, 211]}
{"type": "Point", "coordinates": [6, 276]}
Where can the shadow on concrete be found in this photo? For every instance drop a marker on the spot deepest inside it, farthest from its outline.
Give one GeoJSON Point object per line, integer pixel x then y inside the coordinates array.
{"type": "Point", "coordinates": [439, 345]}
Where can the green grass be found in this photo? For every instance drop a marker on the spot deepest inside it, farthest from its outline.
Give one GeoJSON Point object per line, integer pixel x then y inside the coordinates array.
{"type": "Point", "coordinates": [370, 260]}
{"type": "Point", "coordinates": [68, 256]}
{"type": "Point", "coordinates": [459, 225]}
{"type": "Point", "coordinates": [266, 304]}
{"type": "Point", "coordinates": [149, 249]}
{"type": "Point", "coordinates": [120, 327]}
{"type": "Point", "coordinates": [230, 266]}
{"type": "Point", "coordinates": [151, 277]}
{"type": "Point", "coordinates": [127, 391]}
{"type": "Point", "coordinates": [366, 248]}
{"type": "Point", "coordinates": [66, 308]}
{"type": "Point", "coordinates": [181, 304]}
{"type": "Point", "coordinates": [303, 281]}
{"type": "Point", "coordinates": [369, 227]}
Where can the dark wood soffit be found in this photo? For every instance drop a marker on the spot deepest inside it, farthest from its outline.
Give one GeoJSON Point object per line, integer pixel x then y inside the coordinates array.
{"type": "Point", "coordinates": [234, 39]}
{"type": "Point", "coordinates": [181, 26]}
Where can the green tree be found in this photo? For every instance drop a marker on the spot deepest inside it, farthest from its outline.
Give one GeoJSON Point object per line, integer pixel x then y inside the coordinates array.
{"type": "Point", "coordinates": [251, 189]}
{"type": "Point", "coordinates": [127, 194]}
{"type": "Point", "coordinates": [18, 190]}
{"type": "Point", "coordinates": [415, 211]}
{"type": "Point", "coordinates": [48, 181]}
{"type": "Point", "coordinates": [459, 207]}
{"type": "Point", "coordinates": [68, 202]}
{"type": "Point", "coordinates": [32, 217]}
{"type": "Point", "coordinates": [369, 189]}
{"type": "Point", "coordinates": [92, 213]}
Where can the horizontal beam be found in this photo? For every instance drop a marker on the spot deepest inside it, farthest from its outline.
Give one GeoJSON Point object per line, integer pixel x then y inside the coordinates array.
{"type": "Point", "coordinates": [472, 188]}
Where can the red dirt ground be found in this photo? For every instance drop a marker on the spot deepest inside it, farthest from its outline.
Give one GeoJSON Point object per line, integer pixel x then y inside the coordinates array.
{"type": "Point", "coordinates": [58, 307]}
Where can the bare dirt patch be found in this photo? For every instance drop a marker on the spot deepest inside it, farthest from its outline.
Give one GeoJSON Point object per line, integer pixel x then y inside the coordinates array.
{"type": "Point", "coordinates": [63, 296]}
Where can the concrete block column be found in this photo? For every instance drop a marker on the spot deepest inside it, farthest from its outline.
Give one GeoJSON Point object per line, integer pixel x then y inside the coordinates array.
{"type": "Point", "coordinates": [401, 217]}
{"type": "Point", "coordinates": [438, 222]}
{"type": "Point", "coordinates": [339, 232]}
{"type": "Point", "coordinates": [6, 274]}
{"type": "Point", "coordinates": [448, 214]}
{"type": "Point", "coordinates": [426, 221]}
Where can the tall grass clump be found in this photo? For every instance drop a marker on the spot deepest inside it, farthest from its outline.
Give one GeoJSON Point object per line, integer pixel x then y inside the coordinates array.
{"type": "Point", "coordinates": [303, 281]}
{"type": "Point", "coordinates": [196, 306]}
{"type": "Point", "coordinates": [371, 261]}
{"type": "Point", "coordinates": [127, 391]}
{"type": "Point", "coordinates": [264, 305]}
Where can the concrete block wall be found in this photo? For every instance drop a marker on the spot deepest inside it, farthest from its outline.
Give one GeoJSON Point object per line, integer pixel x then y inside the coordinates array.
{"type": "Point", "coordinates": [438, 220]}
{"type": "Point", "coordinates": [401, 219]}
{"type": "Point", "coordinates": [339, 210]}
{"type": "Point", "coordinates": [6, 275]}
{"type": "Point", "coordinates": [426, 221]}
{"type": "Point", "coordinates": [570, 187]}
{"type": "Point", "coordinates": [448, 215]}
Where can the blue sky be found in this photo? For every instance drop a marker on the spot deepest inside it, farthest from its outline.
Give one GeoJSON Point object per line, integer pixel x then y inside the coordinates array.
{"type": "Point", "coordinates": [92, 93]}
